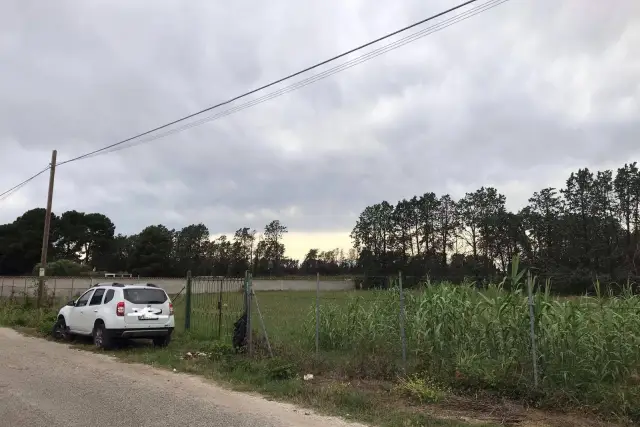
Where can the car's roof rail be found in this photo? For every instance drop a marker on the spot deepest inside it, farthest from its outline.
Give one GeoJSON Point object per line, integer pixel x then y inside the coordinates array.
{"type": "Point", "coordinates": [151, 285]}
{"type": "Point", "coordinates": [118, 285]}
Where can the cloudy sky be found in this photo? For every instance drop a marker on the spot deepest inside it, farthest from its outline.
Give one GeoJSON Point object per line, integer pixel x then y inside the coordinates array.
{"type": "Point", "coordinates": [515, 97]}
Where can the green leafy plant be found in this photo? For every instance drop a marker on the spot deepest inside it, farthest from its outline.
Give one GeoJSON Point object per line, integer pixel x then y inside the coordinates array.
{"type": "Point", "coordinates": [278, 369]}
{"type": "Point", "coordinates": [421, 390]}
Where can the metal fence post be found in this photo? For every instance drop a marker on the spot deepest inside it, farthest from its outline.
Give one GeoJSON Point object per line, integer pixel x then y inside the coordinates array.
{"type": "Point", "coordinates": [403, 336]}
{"type": "Point", "coordinates": [220, 290]}
{"type": "Point", "coordinates": [187, 314]}
{"type": "Point", "coordinates": [532, 320]}
{"type": "Point", "coordinates": [264, 327]}
{"type": "Point", "coordinates": [317, 314]}
{"type": "Point", "coordinates": [245, 284]}
{"type": "Point", "coordinates": [55, 288]}
{"type": "Point", "coordinates": [249, 304]}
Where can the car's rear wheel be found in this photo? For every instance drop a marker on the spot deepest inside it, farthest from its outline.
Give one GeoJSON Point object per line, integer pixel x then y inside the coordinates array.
{"type": "Point", "coordinates": [101, 338]}
{"type": "Point", "coordinates": [162, 341]}
{"type": "Point", "coordinates": [59, 330]}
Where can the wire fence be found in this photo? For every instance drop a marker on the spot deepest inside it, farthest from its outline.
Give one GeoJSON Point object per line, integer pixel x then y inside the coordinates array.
{"type": "Point", "coordinates": [212, 305]}
{"type": "Point", "coordinates": [520, 338]}
{"type": "Point", "coordinates": [24, 293]}
{"type": "Point", "coordinates": [319, 324]}
{"type": "Point", "coordinates": [523, 339]}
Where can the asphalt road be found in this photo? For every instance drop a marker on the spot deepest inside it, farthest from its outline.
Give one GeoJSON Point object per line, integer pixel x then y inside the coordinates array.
{"type": "Point", "coordinates": [46, 384]}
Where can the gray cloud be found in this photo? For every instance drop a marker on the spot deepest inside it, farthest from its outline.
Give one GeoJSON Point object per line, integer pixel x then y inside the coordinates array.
{"type": "Point", "coordinates": [514, 97]}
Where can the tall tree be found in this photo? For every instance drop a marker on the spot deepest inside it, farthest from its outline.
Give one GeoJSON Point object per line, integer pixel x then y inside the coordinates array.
{"type": "Point", "coordinates": [470, 216]}
{"type": "Point", "coordinates": [428, 205]}
{"type": "Point", "coordinates": [273, 234]}
{"type": "Point", "coordinates": [221, 254]}
{"type": "Point", "coordinates": [152, 252]}
{"type": "Point", "coordinates": [543, 220]}
{"type": "Point", "coordinates": [402, 228]}
{"type": "Point", "coordinates": [579, 199]}
{"type": "Point", "coordinates": [22, 242]}
{"type": "Point", "coordinates": [446, 225]}
{"type": "Point", "coordinates": [311, 261]}
{"type": "Point", "coordinates": [243, 247]}
{"type": "Point", "coordinates": [191, 244]}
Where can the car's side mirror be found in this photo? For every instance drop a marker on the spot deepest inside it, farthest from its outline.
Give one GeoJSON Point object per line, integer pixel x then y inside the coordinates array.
{"type": "Point", "coordinates": [71, 303]}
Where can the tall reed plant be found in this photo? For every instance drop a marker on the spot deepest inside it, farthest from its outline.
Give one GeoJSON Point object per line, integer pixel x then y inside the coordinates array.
{"type": "Point", "coordinates": [588, 348]}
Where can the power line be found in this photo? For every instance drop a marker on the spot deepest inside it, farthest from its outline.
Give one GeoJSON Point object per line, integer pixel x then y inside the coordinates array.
{"type": "Point", "coordinates": [290, 76]}
{"type": "Point", "coordinates": [349, 64]}
{"type": "Point", "coordinates": [17, 188]}
{"type": "Point", "coordinates": [309, 80]}
{"type": "Point", "coordinates": [317, 77]}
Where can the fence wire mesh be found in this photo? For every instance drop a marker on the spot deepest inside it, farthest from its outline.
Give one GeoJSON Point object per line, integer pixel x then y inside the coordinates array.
{"type": "Point", "coordinates": [25, 293]}
{"type": "Point", "coordinates": [453, 333]}
{"type": "Point", "coordinates": [325, 325]}
{"type": "Point", "coordinates": [457, 334]}
{"type": "Point", "coordinates": [216, 304]}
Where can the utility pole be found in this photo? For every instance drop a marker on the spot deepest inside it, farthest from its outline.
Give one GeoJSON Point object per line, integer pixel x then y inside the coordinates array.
{"type": "Point", "coordinates": [47, 226]}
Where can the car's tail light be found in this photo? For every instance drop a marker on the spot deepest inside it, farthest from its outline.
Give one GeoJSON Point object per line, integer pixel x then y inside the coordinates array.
{"type": "Point", "coordinates": [170, 309]}
{"type": "Point", "coordinates": [120, 309]}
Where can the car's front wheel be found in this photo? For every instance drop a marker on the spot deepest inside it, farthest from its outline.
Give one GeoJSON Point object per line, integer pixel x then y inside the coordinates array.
{"type": "Point", "coordinates": [101, 338]}
{"type": "Point", "coordinates": [60, 331]}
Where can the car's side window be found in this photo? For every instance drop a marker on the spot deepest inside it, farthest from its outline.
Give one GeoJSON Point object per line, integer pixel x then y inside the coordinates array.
{"type": "Point", "coordinates": [109, 296]}
{"type": "Point", "coordinates": [82, 301]}
{"type": "Point", "coordinates": [96, 299]}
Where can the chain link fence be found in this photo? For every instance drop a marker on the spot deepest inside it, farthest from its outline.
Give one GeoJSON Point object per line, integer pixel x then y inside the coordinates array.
{"type": "Point", "coordinates": [333, 328]}
{"type": "Point", "coordinates": [211, 305]}
{"type": "Point", "coordinates": [512, 335]}
{"type": "Point", "coordinates": [517, 339]}
{"type": "Point", "coordinates": [24, 292]}
{"type": "Point", "coordinates": [59, 291]}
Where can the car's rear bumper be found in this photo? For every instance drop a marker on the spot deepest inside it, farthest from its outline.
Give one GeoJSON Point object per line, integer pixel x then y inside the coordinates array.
{"type": "Point", "coordinates": [140, 333]}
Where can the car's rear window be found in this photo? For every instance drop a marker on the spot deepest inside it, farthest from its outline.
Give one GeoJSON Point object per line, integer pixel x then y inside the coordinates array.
{"type": "Point", "coordinates": [145, 296]}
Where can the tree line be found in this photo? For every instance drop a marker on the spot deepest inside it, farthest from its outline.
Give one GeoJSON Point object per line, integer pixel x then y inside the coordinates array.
{"type": "Point", "coordinates": [586, 231]}
{"type": "Point", "coordinates": [83, 243]}
{"type": "Point", "coordinates": [575, 235]}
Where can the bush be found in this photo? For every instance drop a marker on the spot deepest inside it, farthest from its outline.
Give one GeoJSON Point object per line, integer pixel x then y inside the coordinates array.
{"type": "Point", "coordinates": [62, 268]}
{"type": "Point", "coordinates": [280, 370]}
{"type": "Point", "coordinates": [20, 316]}
{"type": "Point", "coordinates": [421, 390]}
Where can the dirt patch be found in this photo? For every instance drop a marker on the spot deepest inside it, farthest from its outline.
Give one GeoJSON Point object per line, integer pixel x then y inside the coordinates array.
{"type": "Point", "coordinates": [511, 413]}
{"type": "Point", "coordinates": [474, 411]}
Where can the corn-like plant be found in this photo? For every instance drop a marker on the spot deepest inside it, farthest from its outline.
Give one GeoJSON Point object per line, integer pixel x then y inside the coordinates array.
{"type": "Point", "coordinates": [588, 348]}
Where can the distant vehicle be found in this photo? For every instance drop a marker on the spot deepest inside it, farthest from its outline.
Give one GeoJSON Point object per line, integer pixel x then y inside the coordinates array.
{"type": "Point", "coordinates": [113, 311]}
{"type": "Point", "coordinates": [114, 275]}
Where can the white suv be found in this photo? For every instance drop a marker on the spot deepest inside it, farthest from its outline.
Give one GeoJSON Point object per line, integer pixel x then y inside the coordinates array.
{"type": "Point", "coordinates": [111, 311]}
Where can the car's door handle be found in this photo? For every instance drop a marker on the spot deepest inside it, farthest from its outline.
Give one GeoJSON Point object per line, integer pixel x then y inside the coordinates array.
{"type": "Point", "coordinates": [95, 311]}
